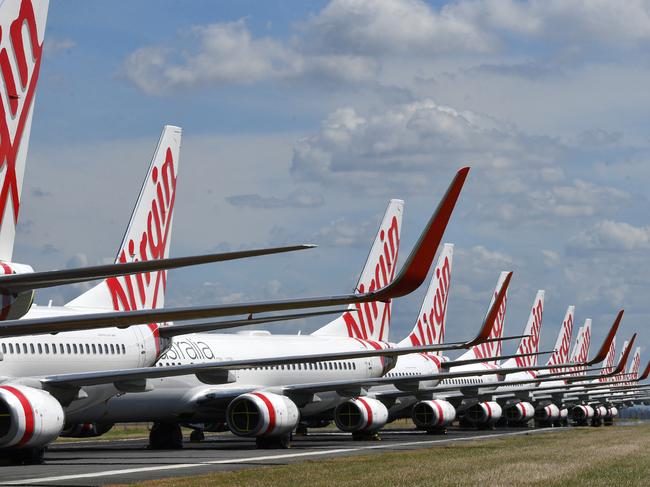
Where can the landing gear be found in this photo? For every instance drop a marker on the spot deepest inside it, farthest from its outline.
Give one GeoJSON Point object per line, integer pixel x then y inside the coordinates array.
{"type": "Point", "coordinates": [197, 436]}
{"type": "Point", "coordinates": [165, 436]}
{"type": "Point", "coordinates": [274, 442]}
{"type": "Point", "coordinates": [366, 436]}
{"type": "Point", "coordinates": [27, 456]}
{"type": "Point", "coordinates": [302, 430]}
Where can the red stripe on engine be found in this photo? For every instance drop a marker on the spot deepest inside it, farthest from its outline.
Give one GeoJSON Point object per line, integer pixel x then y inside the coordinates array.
{"type": "Point", "coordinates": [440, 414]}
{"type": "Point", "coordinates": [271, 409]}
{"type": "Point", "coordinates": [29, 413]}
{"type": "Point", "coordinates": [368, 409]}
{"type": "Point", "coordinates": [489, 410]}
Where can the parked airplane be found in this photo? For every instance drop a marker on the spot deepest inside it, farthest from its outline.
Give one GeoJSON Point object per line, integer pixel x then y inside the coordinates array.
{"type": "Point", "coordinates": [33, 399]}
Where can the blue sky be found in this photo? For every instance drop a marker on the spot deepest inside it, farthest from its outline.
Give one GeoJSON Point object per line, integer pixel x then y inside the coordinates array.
{"type": "Point", "coordinates": [301, 119]}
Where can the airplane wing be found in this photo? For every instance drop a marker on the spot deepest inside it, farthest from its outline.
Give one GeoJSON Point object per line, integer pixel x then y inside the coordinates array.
{"type": "Point", "coordinates": [17, 283]}
{"type": "Point", "coordinates": [410, 277]}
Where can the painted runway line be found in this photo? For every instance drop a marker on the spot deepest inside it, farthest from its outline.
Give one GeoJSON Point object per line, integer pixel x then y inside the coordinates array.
{"type": "Point", "coordinates": [263, 458]}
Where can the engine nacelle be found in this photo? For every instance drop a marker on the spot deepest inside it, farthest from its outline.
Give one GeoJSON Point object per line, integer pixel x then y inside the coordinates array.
{"type": "Point", "coordinates": [612, 412]}
{"type": "Point", "coordinates": [484, 412]}
{"type": "Point", "coordinates": [520, 412]}
{"type": "Point", "coordinates": [433, 414]}
{"type": "Point", "coordinates": [600, 412]}
{"type": "Point", "coordinates": [29, 418]}
{"type": "Point", "coordinates": [564, 413]}
{"type": "Point", "coordinates": [86, 430]}
{"type": "Point", "coordinates": [14, 306]}
{"type": "Point", "coordinates": [550, 412]}
{"type": "Point", "coordinates": [582, 412]}
{"type": "Point", "coordinates": [262, 414]}
{"type": "Point", "coordinates": [362, 414]}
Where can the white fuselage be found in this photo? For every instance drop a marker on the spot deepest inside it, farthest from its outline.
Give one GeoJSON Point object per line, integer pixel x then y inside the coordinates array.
{"type": "Point", "coordinates": [25, 359]}
{"type": "Point", "coordinates": [182, 397]}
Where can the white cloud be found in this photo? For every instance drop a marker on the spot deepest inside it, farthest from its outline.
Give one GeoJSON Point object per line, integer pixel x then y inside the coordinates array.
{"type": "Point", "coordinates": [228, 53]}
{"type": "Point", "coordinates": [613, 236]}
{"type": "Point", "coordinates": [55, 45]}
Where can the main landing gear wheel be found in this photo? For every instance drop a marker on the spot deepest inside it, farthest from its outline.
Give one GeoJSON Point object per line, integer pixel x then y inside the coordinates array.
{"type": "Point", "coordinates": [197, 436]}
{"type": "Point", "coordinates": [282, 442]}
{"type": "Point", "coordinates": [27, 456]}
{"type": "Point", "coordinates": [165, 436]}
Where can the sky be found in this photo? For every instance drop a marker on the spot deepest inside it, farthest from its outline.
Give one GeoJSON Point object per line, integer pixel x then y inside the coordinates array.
{"type": "Point", "coordinates": [301, 119]}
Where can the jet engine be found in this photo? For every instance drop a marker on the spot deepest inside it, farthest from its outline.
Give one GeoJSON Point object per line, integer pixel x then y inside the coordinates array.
{"type": "Point", "coordinates": [484, 413]}
{"type": "Point", "coordinates": [548, 413]}
{"type": "Point", "coordinates": [29, 418]}
{"type": "Point", "coordinates": [582, 413]}
{"type": "Point", "coordinates": [612, 412]}
{"type": "Point", "coordinates": [520, 412]}
{"type": "Point", "coordinates": [14, 306]}
{"type": "Point", "coordinates": [362, 416]}
{"type": "Point", "coordinates": [268, 417]}
{"type": "Point", "coordinates": [433, 415]}
{"type": "Point", "coordinates": [600, 412]}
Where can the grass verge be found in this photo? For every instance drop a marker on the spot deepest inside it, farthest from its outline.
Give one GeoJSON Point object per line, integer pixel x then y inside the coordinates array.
{"type": "Point", "coordinates": [581, 457]}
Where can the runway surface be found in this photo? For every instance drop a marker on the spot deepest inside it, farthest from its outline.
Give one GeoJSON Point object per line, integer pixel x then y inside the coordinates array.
{"type": "Point", "coordinates": [125, 461]}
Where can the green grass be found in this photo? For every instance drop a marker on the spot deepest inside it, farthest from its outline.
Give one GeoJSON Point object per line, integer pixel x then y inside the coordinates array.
{"type": "Point", "coordinates": [579, 457]}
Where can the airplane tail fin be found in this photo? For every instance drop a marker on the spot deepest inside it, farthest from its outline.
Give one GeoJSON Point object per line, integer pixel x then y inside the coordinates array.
{"type": "Point", "coordinates": [22, 31]}
{"type": "Point", "coordinates": [561, 353]}
{"type": "Point", "coordinates": [147, 236]}
{"type": "Point", "coordinates": [580, 350]}
{"type": "Point", "coordinates": [610, 361]}
{"type": "Point", "coordinates": [430, 326]}
{"type": "Point", "coordinates": [371, 321]}
{"type": "Point", "coordinates": [491, 348]}
{"type": "Point", "coordinates": [636, 363]}
{"type": "Point", "coordinates": [530, 343]}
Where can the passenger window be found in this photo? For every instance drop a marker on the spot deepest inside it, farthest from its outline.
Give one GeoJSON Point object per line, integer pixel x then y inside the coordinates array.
{"type": "Point", "coordinates": [61, 349]}
{"type": "Point", "coordinates": [87, 348]}
{"type": "Point", "coordinates": [106, 348]}
{"type": "Point", "coordinates": [112, 349]}
{"type": "Point", "coordinates": [11, 348]}
{"type": "Point", "coordinates": [40, 349]}
{"type": "Point", "coordinates": [81, 348]}
{"type": "Point", "coordinates": [31, 348]}
{"type": "Point", "coordinates": [54, 348]}
{"type": "Point", "coordinates": [123, 349]}
{"type": "Point", "coordinates": [47, 348]}
{"type": "Point", "coordinates": [4, 348]}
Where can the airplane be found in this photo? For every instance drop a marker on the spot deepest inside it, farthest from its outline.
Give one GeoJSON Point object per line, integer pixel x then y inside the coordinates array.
{"type": "Point", "coordinates": [248, 393]}
{"type": "Point", "coordinates": [83, 368]}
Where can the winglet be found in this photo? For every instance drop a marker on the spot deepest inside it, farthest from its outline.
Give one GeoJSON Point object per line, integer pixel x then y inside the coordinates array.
{"type": "Point", "coordinates": [602, 353]}
{"type": "Point", "coordinates": [490, 318]}
{"type": "Point", "coordinates": [418, 263]}
{"type": "Point", "coordinates": [621, 363]}
{"type": "Point", "coordinates": [645, 374]}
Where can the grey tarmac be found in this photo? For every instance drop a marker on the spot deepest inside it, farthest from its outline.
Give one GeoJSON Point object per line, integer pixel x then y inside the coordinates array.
{"type": "Point", "coordinates": [90, 463]}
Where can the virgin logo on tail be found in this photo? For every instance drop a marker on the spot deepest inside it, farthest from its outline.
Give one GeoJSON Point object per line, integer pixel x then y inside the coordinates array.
{"type": "Point", "coordinates": [362, 323]}
{"type": "Point", "coordinates": [609, 361]}
{"type": "Point", "coordinates": [17, 99]}
{"type": "Point", "coordinates": [430, 327]}
{"type": "Point", "coordinates": [493, 349]}
{"type": "Point", "coordinates": [531, 344]}
{"type": "Point", "coordinates": [561, 354]}
{"type": "Point", "coordinates": [131, 292]}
